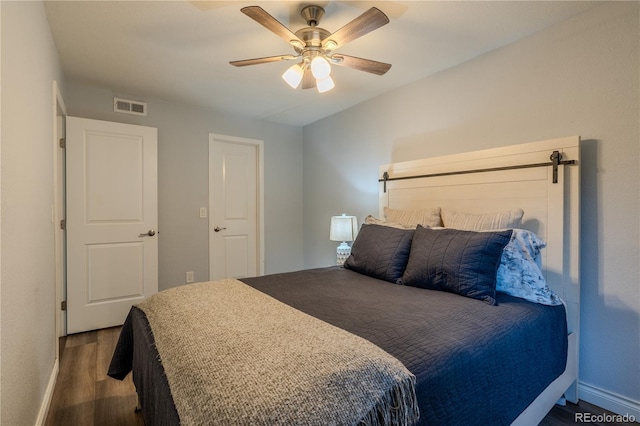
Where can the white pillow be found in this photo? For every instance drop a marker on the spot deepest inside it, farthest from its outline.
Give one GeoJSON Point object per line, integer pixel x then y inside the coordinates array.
{"type": "Point", "coordinates": [482, 222]}
{"type": "Point", "coordinates": [412, 218]}
{"type": "Point", "coordinates": [371, 220]}
{"type": "Point", "coordinates": [519, 274]}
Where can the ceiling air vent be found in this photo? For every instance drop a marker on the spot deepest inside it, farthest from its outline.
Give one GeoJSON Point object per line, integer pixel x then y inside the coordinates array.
{"type": "Point", "coordinates": [129, 107]}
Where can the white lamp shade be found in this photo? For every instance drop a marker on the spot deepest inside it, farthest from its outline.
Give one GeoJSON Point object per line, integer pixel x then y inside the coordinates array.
{"type": "Point", "coordinates": [320, 67]}
{"type": "Point", "coordinates": [343, 228]}
{"type": "Point", "coordinates": [293, 75]}
{"type": "Point", "coordinates": [325, 84]}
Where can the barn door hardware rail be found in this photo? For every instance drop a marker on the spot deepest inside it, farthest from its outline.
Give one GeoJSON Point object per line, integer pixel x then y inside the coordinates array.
{"type": "Point", "coordinates": [556, 160]}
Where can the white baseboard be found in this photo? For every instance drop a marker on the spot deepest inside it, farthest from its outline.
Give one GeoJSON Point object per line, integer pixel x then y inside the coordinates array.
{"type": "Point", "coordinates": [48, 395]}
{"type": "Point", "coordinates": [609, 401]}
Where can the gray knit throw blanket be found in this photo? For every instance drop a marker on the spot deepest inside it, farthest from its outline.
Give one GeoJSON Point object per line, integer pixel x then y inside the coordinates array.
{"type": "Point", "coordinates": [233, 355]}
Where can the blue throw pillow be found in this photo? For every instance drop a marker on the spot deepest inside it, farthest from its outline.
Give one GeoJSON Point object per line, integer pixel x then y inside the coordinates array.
{"type": "Point", "coordinates": [380, 251]}
{"type": "Point", "coordinates": [461, 262]}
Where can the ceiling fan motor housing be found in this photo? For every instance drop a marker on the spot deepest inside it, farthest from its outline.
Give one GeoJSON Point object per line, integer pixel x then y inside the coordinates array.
{"type": "Point", "coordinates": [312, 37]}
{"type": "Point", "coordinates": [312, 14]}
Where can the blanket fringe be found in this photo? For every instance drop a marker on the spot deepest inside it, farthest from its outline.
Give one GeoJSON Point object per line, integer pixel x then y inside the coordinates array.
{"type": "Point", "coordinates": [398, 407]}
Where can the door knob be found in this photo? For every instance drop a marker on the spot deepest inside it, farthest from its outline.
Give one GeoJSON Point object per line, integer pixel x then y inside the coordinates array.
{"type": "Point", "coordinates": [218, 229]}
{"type": "Point", "coordinates": [149, 233]}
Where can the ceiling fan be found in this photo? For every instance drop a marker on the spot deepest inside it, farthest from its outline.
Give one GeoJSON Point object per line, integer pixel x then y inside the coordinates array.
{"type": "Point", "coordinates": [314, 46]}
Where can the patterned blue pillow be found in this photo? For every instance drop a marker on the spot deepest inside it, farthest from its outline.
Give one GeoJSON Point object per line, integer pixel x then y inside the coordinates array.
{"type": "Point", "coordinates": [519, 274]}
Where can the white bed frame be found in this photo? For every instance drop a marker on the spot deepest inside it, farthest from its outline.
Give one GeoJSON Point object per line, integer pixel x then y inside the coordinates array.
{"type": "Point", "coordinates": [552, 210]}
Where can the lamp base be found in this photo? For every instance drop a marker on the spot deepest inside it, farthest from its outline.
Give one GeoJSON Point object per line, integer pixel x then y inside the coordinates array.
{"type": "Point", "coordinates": [343, 252]}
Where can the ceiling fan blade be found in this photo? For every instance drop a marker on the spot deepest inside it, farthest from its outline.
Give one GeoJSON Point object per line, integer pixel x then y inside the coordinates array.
{"type": "Point", "coordinates": [370, 20]}
{"type": "Point", "coordinates": [367, 65]}
{"type": "Point", "coordinates": [261, 16]}
{"type": "Point", "coordinates": [257, 61]}
{"type": "Point", "coordinates": [308, 80]}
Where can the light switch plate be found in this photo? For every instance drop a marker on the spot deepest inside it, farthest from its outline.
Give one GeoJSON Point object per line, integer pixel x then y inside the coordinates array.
{"type": "Point", "coordinates": [203, 212]}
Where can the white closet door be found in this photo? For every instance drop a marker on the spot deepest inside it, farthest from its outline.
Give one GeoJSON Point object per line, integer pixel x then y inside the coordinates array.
{"type": "Point", "coordinates": [233, 186]}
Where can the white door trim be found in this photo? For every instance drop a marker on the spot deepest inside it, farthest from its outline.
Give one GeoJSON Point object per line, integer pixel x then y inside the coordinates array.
{"type": "Point", "coordinates": [59, 110]}
{"type": "Point", "coordinates": [259, 144]}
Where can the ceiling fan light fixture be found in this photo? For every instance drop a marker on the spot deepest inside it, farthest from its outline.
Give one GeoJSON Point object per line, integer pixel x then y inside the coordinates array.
{"type": "Point", "coordinates": [320, 68]}
{"type": "Point", "coordinates": [325, 84]}
{"type": "Point", "coordinates": [293, 75]}
{"type": "Point", "coordinates": [330, 45]}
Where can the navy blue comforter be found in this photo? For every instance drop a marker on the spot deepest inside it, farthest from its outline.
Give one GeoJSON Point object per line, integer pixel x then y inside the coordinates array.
{"type": "Point", "coordinates": [475, 364]}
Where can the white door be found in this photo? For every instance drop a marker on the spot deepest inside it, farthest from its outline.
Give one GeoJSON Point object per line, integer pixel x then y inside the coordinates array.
{"type": "Point", "coordinates": [235, 207]}
{"type": "Point", "coordinates": [112, 219]}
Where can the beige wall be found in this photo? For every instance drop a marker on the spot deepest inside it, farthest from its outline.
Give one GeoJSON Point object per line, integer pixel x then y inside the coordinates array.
{"type": "Point", "coordinates": [29, 66]}
{"type": "Point", "coordinates": [580, 77]}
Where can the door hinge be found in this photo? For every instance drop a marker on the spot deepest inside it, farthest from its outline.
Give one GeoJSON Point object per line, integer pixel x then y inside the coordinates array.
{"type": "Point", "coordinates": [63, 143]}
{"type": "Point", "coordinates": [63, 224]}
{"type": "Point", "coordinates": [63, 305]}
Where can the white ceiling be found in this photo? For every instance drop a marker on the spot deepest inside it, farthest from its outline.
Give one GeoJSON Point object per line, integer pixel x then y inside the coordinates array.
{"type": "Point", "coordinates": [180, 50]}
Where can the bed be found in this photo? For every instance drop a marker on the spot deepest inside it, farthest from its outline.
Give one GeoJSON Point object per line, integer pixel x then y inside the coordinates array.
{"type": "Point", "coordinates": [472, 356]}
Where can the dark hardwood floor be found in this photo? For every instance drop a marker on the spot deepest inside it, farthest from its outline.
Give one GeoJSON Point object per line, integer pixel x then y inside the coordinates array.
{"type": "Point", "coordinates": [84, 395]}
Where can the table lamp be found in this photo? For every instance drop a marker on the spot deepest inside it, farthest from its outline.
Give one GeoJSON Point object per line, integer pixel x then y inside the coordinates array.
{"type": "Point", "coordinates": [343, 228]}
